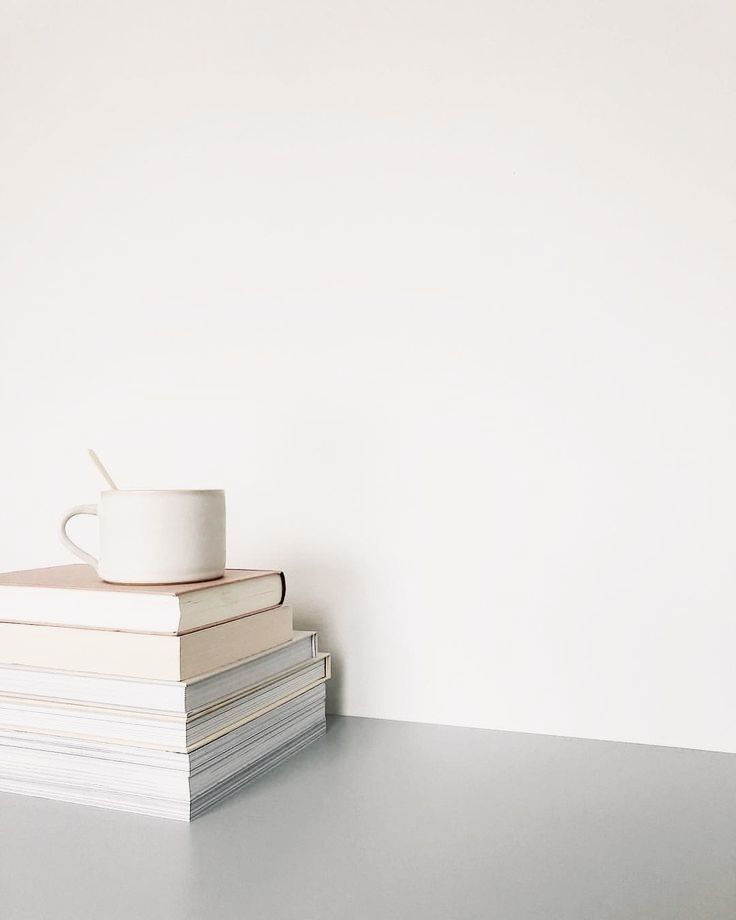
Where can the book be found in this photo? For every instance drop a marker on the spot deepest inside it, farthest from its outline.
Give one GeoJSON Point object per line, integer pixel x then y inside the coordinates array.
{"type": "Point", "coordinates": [73, 595]}
{"type": "Point", "coordinates": [145, 655]}
{"type": "Point", "coordinates": [163, 695]}
{"type": "Point", "coordinates": [151, 728]}
{"type": "Point", "coordinates": [156, 782]}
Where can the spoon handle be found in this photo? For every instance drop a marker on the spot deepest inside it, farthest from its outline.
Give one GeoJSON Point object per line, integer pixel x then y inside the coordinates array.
{"type": "Point", "coordinates": [98, 463]}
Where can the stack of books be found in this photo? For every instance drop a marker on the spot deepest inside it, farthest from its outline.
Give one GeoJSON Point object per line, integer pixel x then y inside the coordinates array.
{"type": "Point", "coordinates": [156, 699]}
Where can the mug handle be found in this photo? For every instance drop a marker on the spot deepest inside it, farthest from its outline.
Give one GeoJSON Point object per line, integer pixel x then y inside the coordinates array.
{"type": "Point", "coordinates": [77, 550]}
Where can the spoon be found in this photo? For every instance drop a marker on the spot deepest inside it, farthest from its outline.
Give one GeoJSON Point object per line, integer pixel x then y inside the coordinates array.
{"type": "Point", "coordinates": [98, 463]}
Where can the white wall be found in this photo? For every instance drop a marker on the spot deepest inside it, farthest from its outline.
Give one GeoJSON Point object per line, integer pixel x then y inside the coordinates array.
{"type": "Point", "coordinates": [441, 293]}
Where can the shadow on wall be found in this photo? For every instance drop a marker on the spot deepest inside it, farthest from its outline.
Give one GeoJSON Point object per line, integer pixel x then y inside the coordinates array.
{"type": "Point", "coordinates": [315, 609]}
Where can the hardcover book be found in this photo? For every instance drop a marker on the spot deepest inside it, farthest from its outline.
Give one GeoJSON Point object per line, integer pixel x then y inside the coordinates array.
{"type": "Point", "coordinates": [74, 595]}
{"type": "Point", "coordinates": [143, 655]}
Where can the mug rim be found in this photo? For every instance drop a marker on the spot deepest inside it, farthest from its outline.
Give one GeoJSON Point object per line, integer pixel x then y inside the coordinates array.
{"type": "Point", "coordinates": [159, 491]}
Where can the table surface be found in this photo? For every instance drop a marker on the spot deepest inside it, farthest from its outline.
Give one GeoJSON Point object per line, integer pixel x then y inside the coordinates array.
{"type": "Point", "coordinates": [389, 820]}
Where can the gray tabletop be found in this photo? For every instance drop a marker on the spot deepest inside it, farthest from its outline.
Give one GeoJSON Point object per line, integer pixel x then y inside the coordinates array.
{"type": "Point", "coordinates": [397, 820]}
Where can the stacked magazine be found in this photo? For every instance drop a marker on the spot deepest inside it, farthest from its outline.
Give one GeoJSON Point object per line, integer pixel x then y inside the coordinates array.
{"type": "Point", "coordinates": [156, 699]}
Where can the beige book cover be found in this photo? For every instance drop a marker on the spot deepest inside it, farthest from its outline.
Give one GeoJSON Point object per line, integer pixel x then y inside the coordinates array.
{"type": "Point", "coordinates": [140, 655]}
{"type": "Point", "coordinates": [81, 577]}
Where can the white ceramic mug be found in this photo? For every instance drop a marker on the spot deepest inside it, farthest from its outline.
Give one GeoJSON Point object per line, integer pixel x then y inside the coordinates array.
{"type": "Point", "coordinates": [156, 537]}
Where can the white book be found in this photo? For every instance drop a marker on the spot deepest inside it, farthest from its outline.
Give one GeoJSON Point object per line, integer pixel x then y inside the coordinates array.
{"type": "Point", "coordinates": [74, 595]}
{"type": "Point", "coordinates": [153, 782]}
{"type": "Point", "coordinates": [165, 695]}
{"type": "Point", "coordinates": [151, 728]}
